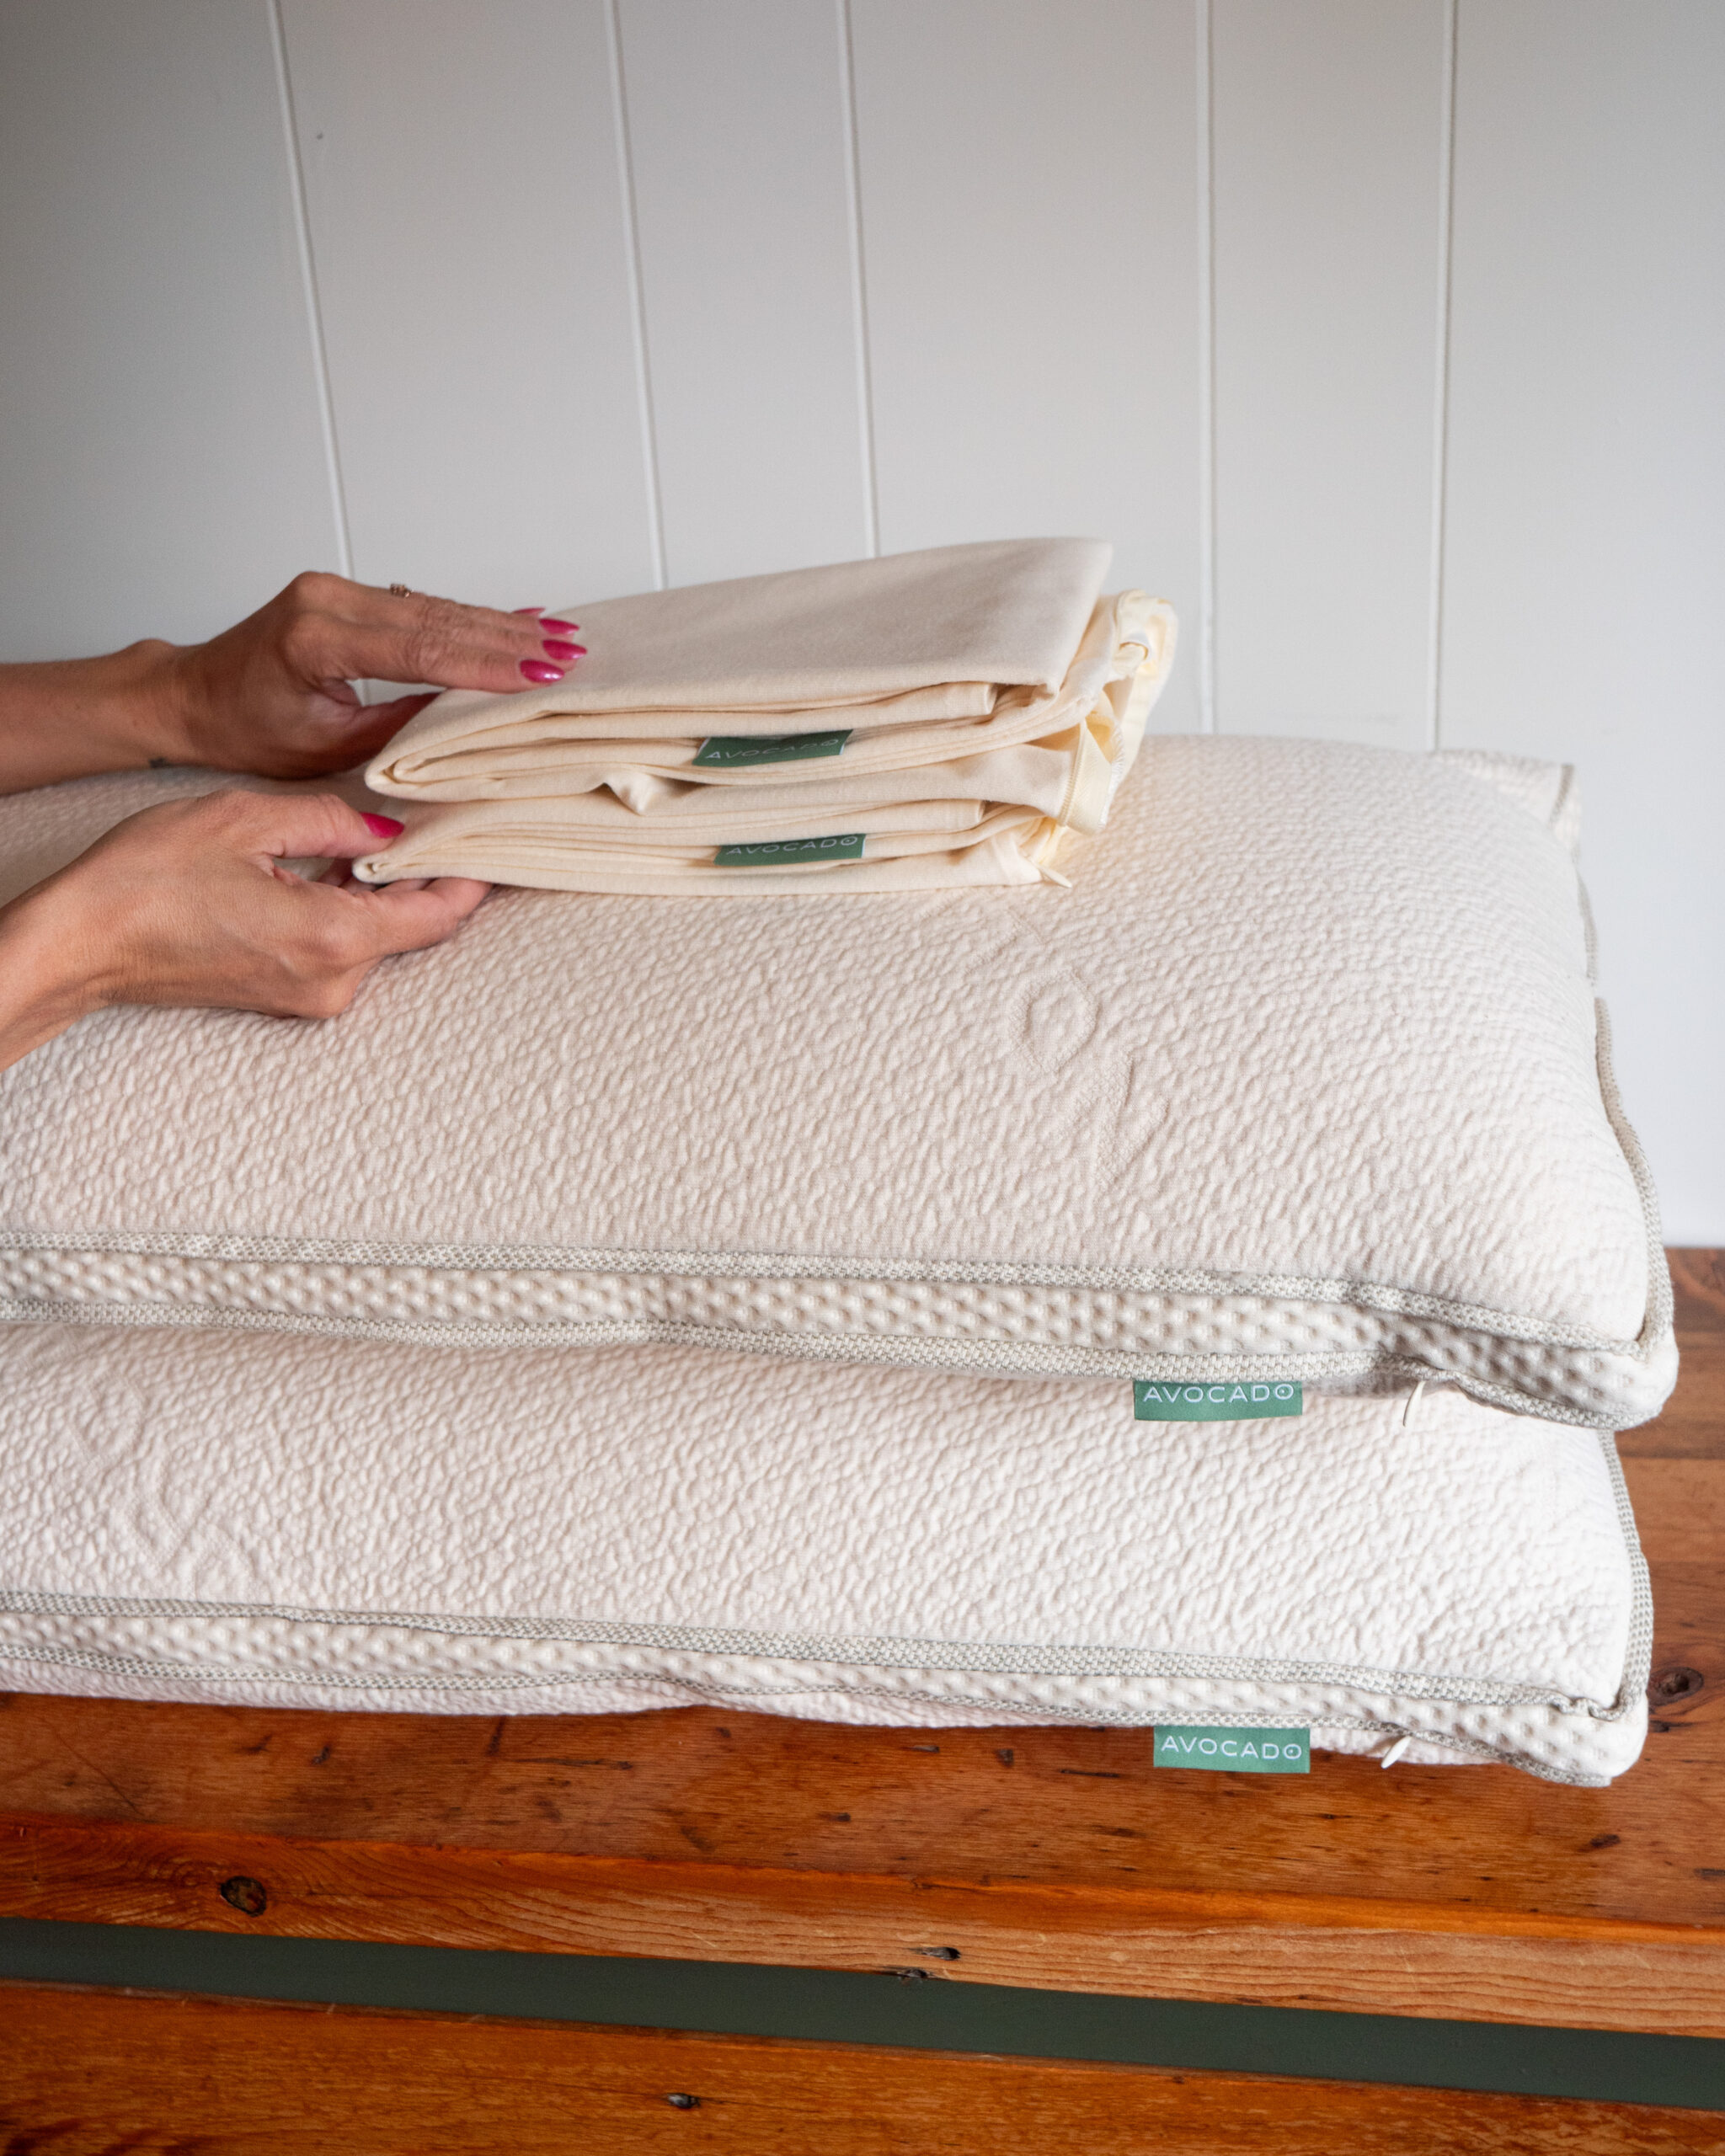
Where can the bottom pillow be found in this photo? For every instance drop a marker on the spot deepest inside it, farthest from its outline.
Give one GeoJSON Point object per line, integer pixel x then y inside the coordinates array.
{"type": "Point", "coordinates": [284, 1520]}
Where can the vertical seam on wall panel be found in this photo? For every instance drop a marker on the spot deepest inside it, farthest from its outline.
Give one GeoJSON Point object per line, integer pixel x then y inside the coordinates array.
{"type": "Point", "coordinates": [637, 298]}
{"type": "Point", "coordinates": [1441, 395]}
{"type": "Point", "coordinates": [859, 282]}
{"type": "Point", "coordinates": [1206, 378]}
{"type": "Point", "coordinates": [314, 305]}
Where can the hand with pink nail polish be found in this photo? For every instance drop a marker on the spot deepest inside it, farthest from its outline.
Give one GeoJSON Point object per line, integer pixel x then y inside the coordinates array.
{"type": "Point", "coordinates": [192, 903]}
{"type": "Point", "coordinates": [273, 695]}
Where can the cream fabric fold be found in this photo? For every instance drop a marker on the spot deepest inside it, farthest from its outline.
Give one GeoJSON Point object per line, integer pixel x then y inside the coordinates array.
{"type": "Point", "coordinates": [645, 818]}
{"type": "Point", "coordinates": [533, 847]}
{"type": "Point", "coordinates": [907, 639]}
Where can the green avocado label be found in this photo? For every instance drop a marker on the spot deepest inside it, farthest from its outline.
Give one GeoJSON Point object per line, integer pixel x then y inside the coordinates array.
{"type": "Point", "coordinates": [1229, 1400]}
{"type": "Point", "coordinates": [733, 749]}
{"type": "Point", "coordinates": [780, 853]}
{"type": "Point", "coordinates": [1236, 1751]}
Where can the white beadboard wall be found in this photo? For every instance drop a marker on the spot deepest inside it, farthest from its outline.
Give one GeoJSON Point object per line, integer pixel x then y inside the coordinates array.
{"type": "Point", "coordinates": [1385, 337]}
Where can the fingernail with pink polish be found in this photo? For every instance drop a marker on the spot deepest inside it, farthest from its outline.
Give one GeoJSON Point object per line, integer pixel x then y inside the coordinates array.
{"type": "Point", "coordinates": [558, 628]}
{"type": "Point", "coordinates": [536, 669]}
{"type": "Point", "coordinates": [524, 610]}
{"type": "Point", "coordinates": [382, 827]}
{"type": "Point", "coordinates": [565, 651]}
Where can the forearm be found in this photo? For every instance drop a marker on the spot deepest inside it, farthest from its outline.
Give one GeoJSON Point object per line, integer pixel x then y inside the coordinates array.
{"type": "Point", "coordinates": [45, 984]}
{"type": "Point", "coordinates": [67, 718]}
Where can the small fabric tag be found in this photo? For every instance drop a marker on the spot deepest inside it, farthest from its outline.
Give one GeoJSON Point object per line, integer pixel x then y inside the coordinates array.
{"type": "Point", "coordinates": [1243, 1399]}
{"type": "Point", "coordinates": [778, 853]}
{"type": "Point", "coordinates": [735, 749]}
{"type": "Point", "coordinates": [1236, 1751]}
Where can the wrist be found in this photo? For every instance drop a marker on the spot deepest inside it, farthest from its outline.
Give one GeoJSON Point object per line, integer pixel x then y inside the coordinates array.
{"type": "Point", "coordinates": [152, 703]}
{"type": "Point", "coordinates": [128, 705]}
{"type": "Point", "coordinates": [71, 718]}
{"type": "Point", "coordinates": [50, 975]}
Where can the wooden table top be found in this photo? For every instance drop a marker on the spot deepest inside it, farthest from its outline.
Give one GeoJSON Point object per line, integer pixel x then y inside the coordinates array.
{"type": "Point", "coordinates": [1048, 1857]}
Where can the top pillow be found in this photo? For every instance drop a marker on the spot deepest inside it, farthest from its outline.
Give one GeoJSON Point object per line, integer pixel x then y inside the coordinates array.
{"type": "Point", "coordinates": [1304, 1079]}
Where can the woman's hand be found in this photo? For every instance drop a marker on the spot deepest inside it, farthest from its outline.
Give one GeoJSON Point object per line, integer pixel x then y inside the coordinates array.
{"type": "Point", "coordinates": [273, 695]}
{"type": "Point", "coordinates": [188, 904]}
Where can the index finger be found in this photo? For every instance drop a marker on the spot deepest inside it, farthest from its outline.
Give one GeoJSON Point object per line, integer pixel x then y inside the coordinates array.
{"type": "Point", "coordinates": [285, 826]}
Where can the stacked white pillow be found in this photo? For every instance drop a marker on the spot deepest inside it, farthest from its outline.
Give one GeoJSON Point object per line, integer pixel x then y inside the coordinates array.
{"type": "Point", "coordinates": [1305, 1078]}
{"type": "Point", "coordinates": [1303, 1081]}
{"type": "Point", "coordinates": [346, 1524]}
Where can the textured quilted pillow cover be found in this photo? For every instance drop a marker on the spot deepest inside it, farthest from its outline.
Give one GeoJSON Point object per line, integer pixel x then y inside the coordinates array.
{"type": "Point", "coordinates": [1304, 1079]}
{"type": "Point", "coordinates": [367, 1524]}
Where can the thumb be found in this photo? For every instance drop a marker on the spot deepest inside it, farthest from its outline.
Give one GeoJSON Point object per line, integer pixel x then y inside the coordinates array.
{"type": "Point", "coordinates": [383, 721]}
{"type": "Point", "coordinates": [356, 732]}
{"type": "Point", "coordinates": [409, 916]}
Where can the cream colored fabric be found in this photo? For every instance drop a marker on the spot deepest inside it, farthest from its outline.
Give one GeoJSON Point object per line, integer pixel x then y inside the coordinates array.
{"type": "Point", "coordinates": [245, 1516]}
{"type": "Point", "coordinates": [536, 845]}
{"type": "Point", "coordinates": [901, 639]}
{"type": "Point", "coordinates": [990, 799]}
{"type": "Point", "coordinates": [1304, 1078]}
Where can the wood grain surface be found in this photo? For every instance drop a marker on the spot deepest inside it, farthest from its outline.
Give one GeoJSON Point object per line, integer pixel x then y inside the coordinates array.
{"type": "Point", "coordinates": [1050, 1858]}
{"type": "Point", "coordinates": [90, 2073]}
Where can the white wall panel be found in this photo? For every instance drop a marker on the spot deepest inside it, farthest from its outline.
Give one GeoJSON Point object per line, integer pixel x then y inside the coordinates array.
{"type": "Point", "coordinates": [1030, 245]}
{"type": "Point", "coordinates": [162, 463]}
{"type": "Point", "coordinates": [1585, 562]}
{"type": "Point", "coordinates": [736, 120]}
{"type": "Point", "coordinates": [464, 177]}
{"type": "Point", "coordinates": [1328, 149]}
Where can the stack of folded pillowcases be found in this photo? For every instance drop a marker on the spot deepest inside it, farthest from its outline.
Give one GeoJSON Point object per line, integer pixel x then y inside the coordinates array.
{"type": "Point", "coordinates": [637, 1302]}
{"type": "Point", "coordinates": [957, 717]}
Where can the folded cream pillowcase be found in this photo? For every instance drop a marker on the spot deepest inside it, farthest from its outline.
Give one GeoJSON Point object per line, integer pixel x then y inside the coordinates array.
{"type": "Point", "coordinates": [894, 769]}
{"type": "Point", "coordinates": [932, 845]}
{"type": "Point", "coordinates": [362, 1524]}
{"type": "Point", "coordinates": [1304, 1078]}
{"type": "Point", "coordinates": [900, 640]}
{"type": "Point", "coordinates": [909, 808]}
